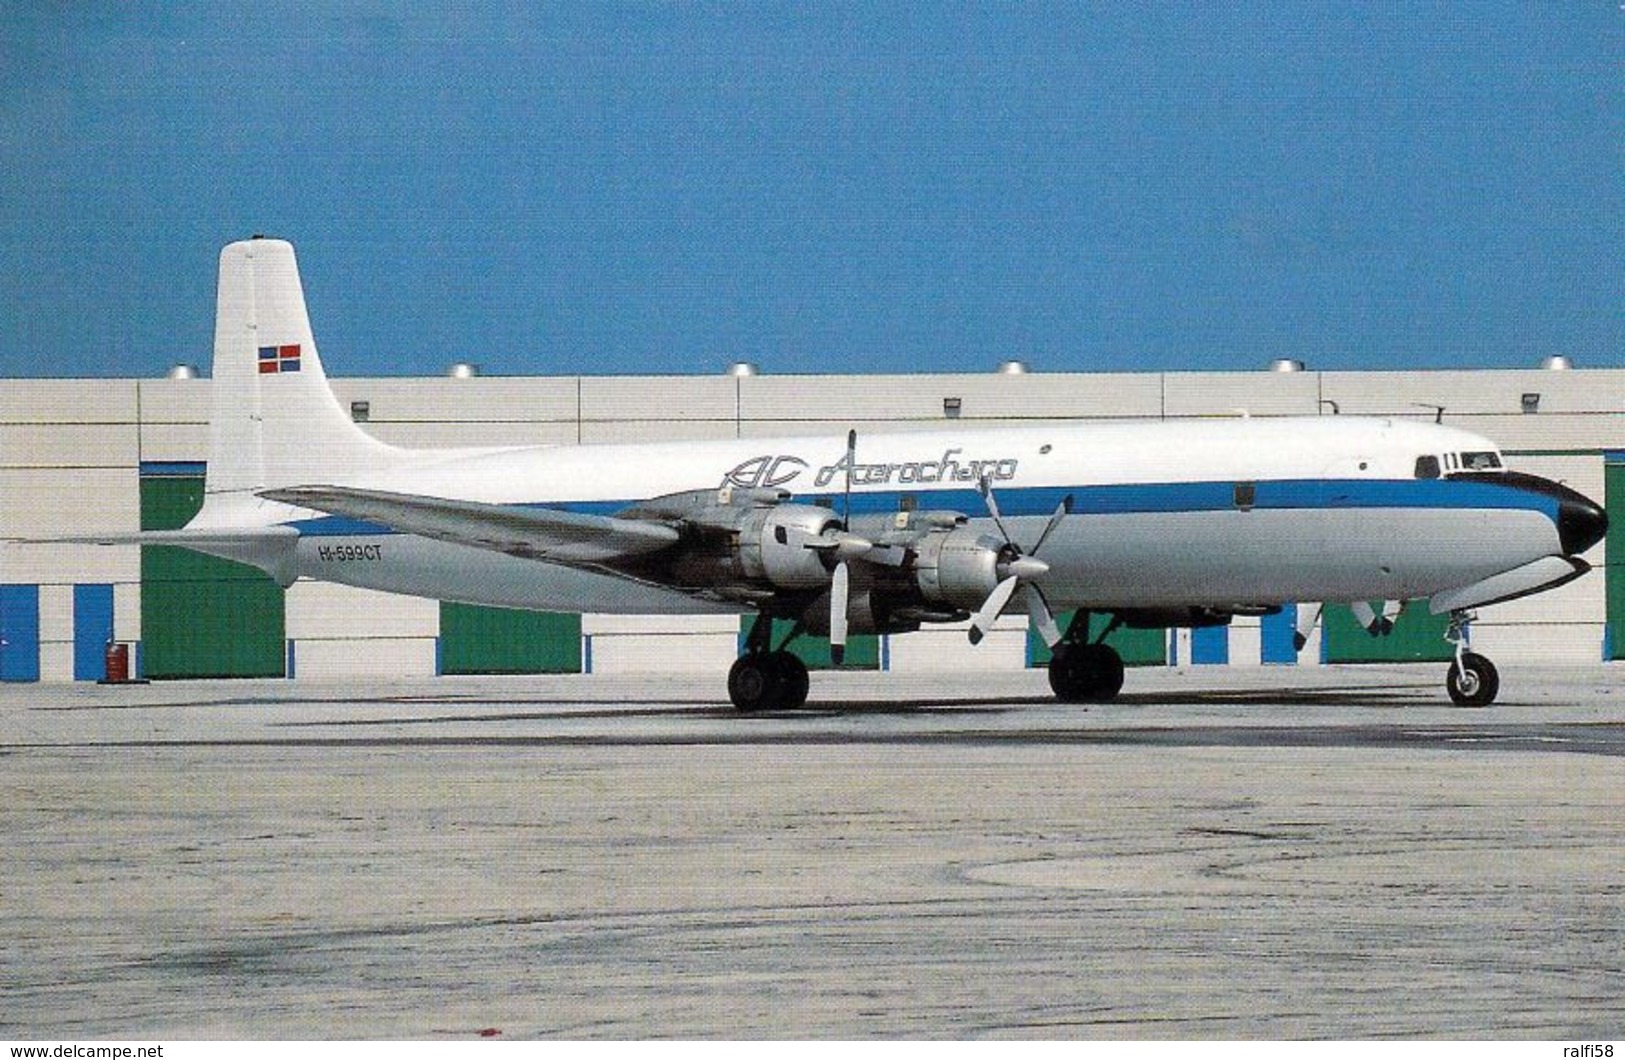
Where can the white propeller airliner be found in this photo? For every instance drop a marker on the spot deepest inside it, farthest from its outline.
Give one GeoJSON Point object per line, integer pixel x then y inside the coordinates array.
{"type": "Point", "coordinates": [1157, 523]}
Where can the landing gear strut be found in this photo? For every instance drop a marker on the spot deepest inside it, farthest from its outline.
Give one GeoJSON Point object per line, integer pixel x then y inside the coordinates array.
{"type": "Point", "coordinates": [765, 679]}
{"type": "Point", "coordinates": [1472, 680]}
{"type": "Point", "coordinates": [1080, 672]}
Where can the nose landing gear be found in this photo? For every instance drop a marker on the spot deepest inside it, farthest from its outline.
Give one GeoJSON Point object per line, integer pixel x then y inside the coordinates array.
{"type": "Point", "coordinates": [1472, 680]}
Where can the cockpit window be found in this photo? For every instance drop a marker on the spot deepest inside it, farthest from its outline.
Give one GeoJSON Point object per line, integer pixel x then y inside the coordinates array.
{"type": "Point", "coordinates": [1480, 461]}
{"type": "Point", "coordinates": [1427, 467]}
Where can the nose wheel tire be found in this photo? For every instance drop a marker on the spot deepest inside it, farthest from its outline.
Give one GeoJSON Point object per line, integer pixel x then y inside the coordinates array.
{"type": "Point", "coordinates": [1472, 682]}
{"type": "Point", "coordinates": [771, 680]}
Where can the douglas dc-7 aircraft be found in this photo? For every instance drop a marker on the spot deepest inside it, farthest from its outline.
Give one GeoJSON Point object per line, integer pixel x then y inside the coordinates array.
{"type": "Point", "coordinates": [1158, 524]}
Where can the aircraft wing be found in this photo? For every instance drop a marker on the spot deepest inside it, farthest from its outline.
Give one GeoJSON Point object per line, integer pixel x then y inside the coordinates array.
{"type": "Point", "coordinates": [570, 538]}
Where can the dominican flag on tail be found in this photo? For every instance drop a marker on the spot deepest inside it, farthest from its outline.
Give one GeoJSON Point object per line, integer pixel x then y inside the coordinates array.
{"type": "Point", "coordinates": [275, 359]}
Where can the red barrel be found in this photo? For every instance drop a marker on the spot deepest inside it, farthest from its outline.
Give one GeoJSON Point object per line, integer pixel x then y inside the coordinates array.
{"type": "Point", "coordinates": [118, 662]}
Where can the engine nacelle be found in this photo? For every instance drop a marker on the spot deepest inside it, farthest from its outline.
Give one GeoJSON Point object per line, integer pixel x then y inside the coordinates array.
{"type": "Point", "coordinates": [773, 545]}
{"type": "Point", "coordinates": [958, 567]}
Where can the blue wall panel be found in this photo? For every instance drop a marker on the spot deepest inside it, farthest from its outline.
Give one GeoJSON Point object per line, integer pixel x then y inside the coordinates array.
{"type": "Point", "coordinates": [1277, 633]}
{"type": "Point", "coordinates": [1210, 645]}
{"type": "Point", "coordinates": [19, 633]}
{"type": "Point", "coordinates": [92, 629]}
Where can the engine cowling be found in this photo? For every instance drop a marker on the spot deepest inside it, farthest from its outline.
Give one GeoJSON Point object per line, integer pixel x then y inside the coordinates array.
{"type": "Point", "coordinates": [950, 571]}
{"type": "Point", "coordinates": [958, 567]}
{"type": "Point", "coordinates": [937, 570]}
{"type": "Point", "coordinates": [773, 545]}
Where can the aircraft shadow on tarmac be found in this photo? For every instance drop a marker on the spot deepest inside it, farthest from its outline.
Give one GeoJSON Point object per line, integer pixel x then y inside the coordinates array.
{"type": "Point", "coordinates": [522, 708]}
{"type": "Point", "coordinates": [1387, 698]}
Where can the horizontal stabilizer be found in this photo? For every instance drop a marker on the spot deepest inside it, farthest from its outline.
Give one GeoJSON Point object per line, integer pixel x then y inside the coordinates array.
{"type": "Point", "coordinates": [1548, 572]}
{"type": "Point", "coordinates": [535, 533]}
{"type": "Point", "coordinates": [270, 548]}
{"type": "Point", "coordinates": [203, 539]}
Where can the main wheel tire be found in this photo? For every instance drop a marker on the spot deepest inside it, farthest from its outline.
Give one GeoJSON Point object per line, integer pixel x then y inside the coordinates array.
{"type": "Point", "coordinates": [1474, 682]}
{"type": "Point", "coordinates": [1086, 673]}
{"type": "Point", "coordinates": [751, 683]}
{"type": "Point", "coordinates": [1066, 678]}
{"type": "Point", "coordinates": [1108, 674]}
{"type": "Point", "coordinates": [790, 679]}
{"type": "Point", "coordinates": [773, 680]}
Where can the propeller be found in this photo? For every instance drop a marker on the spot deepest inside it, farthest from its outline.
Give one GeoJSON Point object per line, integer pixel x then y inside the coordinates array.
{"type": "Point", "coordinates": [840, 578]}
{"type": "Point", "coordinates": [839, 546]}
{"type": "Point", "coordinates": [1018, 569]}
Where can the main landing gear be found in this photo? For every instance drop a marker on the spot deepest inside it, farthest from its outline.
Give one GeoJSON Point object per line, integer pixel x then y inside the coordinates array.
{"type": "Point", "coordinates": [1472, 680]}
{"type": "Point", "coordinates": [1081, 672]}
{"type": "Point", "coordinates": [772, 680]}
{"type": "Point", "coordinates": [764, 678]}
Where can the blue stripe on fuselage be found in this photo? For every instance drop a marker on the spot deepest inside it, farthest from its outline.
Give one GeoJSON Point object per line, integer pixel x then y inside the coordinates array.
{"type": "Point", "coordinates": [1127, 499]}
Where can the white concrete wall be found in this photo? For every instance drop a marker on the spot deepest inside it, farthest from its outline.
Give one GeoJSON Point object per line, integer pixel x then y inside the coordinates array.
{"type": "Point", "coordinates": [661, 643]}
{"type": "Point", "coordinates": [69, 451]}
{"type": "Point", "coordinates": [341, 631]}
{"type": "Point", "coordinates": [947, 648]}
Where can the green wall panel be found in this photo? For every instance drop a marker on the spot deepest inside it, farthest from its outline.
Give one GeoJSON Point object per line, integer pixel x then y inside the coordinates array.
{"type": "Point", "coordinates": [169, 502]}
{"type": "Point", "coordinates": [202, 616]}
{"type": "Point", "coordinates": [1417, 637]}
{"type": "Point", "coordinates": [1614, 549]}
{"type": "Point", "coordinates": [495, 640]}
{"type": "Point", "coordinates": [862, 649]}
{"type": "Point", "coordinates": [1138, 647]}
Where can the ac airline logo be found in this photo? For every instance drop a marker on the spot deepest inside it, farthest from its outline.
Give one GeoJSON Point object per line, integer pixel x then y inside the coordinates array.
{"type": "Point", "coordinates": [771, 470]}
{"type": "Point", "coordinates": [761, 472]}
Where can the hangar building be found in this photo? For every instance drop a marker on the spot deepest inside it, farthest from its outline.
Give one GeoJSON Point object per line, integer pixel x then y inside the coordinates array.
{"type": "Point", "coordinates": [103, 455]}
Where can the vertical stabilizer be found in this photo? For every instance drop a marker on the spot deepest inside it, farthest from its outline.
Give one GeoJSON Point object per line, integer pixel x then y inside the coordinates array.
{"type": "Point", "coordinates": [275, 422]}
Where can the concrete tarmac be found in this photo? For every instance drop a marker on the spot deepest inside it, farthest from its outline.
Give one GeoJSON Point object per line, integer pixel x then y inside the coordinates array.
{"type": "Point", "coordinates": [1300, 853]}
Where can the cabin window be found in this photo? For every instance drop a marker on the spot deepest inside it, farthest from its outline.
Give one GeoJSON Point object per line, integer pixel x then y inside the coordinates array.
{"type": "Point", "coordinates": [1427, 467]}
{"type": "Point", "coordinates": [1480, 461]}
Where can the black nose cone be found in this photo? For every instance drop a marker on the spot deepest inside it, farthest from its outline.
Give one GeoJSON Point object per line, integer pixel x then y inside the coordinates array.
{"type": "Point", "coordinates": [1580, 524]}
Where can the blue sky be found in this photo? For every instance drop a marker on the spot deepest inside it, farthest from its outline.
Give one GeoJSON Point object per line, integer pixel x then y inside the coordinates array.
{"type": "Point", "coordinates": [854, 188]}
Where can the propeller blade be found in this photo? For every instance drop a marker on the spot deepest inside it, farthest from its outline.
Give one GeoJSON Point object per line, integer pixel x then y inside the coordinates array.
{"type": "Point", "coordinates": [839, 590]}
{"type": "Point", "coordinates": [851, 458]}
{"type": "Point", "coordinates": [991, 607]}
{"type": "Point", "coordinates": [1308, 619]}
{"type": "Point", "coordinates": [1043, 618]}
{"type": "Point", "coordinates": [985, 488]}
{"type": "Point", "coordinates": [1061, 512]}
{"type": "Point", "coordinates": [1378, 623]}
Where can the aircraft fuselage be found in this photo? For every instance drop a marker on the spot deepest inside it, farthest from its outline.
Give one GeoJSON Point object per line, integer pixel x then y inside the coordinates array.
{"type": "Point", "coordinates": [1221, 513]}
